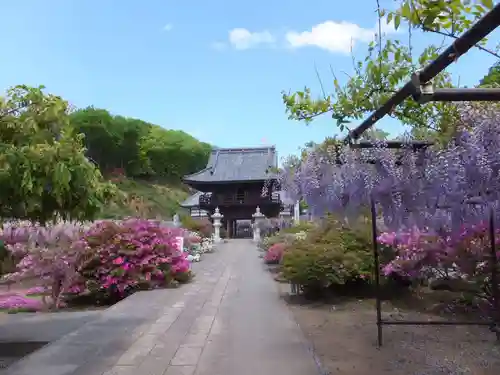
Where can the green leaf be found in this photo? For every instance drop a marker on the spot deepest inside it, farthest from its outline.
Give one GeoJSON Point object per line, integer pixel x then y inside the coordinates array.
{"type": "Point", "coordinates": [397, 21]}
{"type": "Point", "coordinates": [406, 10]}
{"type": "Point", "coordinates": [487, 3]}
{"type": "Point", "coordinates": [389, 17]}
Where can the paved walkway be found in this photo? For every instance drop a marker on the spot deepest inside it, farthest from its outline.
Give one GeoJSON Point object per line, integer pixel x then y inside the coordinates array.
{"type": "Point", "coordinates": [229, 321]}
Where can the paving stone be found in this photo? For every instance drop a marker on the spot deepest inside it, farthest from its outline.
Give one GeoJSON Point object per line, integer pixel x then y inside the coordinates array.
{"type": "Point", "coordinates": [121, 370]}
{"type": "Point", "coordinates": [46, 327]}
{"type": "Point", "coordinates": [202, 325]}
{"type": "Point", "coordinates": [180, 370]}
{"type": "Point", "coordinates": [195, 340]}
{"type": "Point", "coordinates": [94, 367]}
{"type": "Point", "coordinates": [153, 366]}
{"type": "Point", "coordinates": [159, 328]}
{"type": "Point", "coordinates": [48, 369]}
{"type": "Point", "coordinates": [252, 331]}
{"type": "Point", "coordinates": [165, 350]}
{"type": "Point", "coordinates": [217, 327]}
{"type": "Point", "coordinates": [186, 356]}
{"type": "Point", "coordinates": [170, 315]}
{"type": "Point", "coordinates": [138, 351]}
{"type": "Point", "coordinates": [209, 310]}
{"type": "Point", "coordinates": [173, 337]}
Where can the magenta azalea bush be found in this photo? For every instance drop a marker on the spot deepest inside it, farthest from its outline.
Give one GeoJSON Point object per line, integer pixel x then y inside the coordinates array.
{"type": "Point", "coordinates": [100, 264]}
{"type": "Point", "coordinates": [420, 254]}
{"type": "Point", "coordinates": [464, 257]}
{"type": "Point", "coordinates": [45, 255]}
{"type": "Point", "coordinates": [120, 258]}
{"type": "Point", "coordinates": [275, 253]}
{"type": "Point", "coordinates": [15, 302]}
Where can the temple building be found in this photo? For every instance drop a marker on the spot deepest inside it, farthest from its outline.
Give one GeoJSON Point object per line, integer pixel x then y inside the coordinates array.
{"type": "Point", "coordinates": [234, 181]}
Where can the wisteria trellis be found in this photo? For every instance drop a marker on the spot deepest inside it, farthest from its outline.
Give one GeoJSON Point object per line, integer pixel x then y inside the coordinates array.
{"type": "Point", "coordinates": [445, 193]}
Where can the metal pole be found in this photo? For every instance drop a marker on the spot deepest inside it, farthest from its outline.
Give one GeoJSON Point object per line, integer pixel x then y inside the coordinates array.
{"type": "Point", "coordinates": [494, 275]}
{"type": "Point", "coordinates": [414, 144]}
{"type": "Point", "coordinates": [376, 266]}
{"type": "Point", "coordinates": [383, 110]}
{"type": "Point", "coordinates": [460, 95]}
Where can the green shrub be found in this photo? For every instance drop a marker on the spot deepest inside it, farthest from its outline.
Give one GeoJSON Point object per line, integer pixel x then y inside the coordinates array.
{"type": "Point", "coordinates": [7, 261]}
{"type": "Point", "coordinates": [202, 226]}
{"type": "Point", "coordinates": [304, 226]}
{"type": "Point", "coordinates": [280, 237]}
{"type": "Point", "coordinates": [332, 254]}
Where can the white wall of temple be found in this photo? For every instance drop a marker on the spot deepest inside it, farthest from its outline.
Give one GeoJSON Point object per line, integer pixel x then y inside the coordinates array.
{"type": "Point", "coordinates": [196, 212]}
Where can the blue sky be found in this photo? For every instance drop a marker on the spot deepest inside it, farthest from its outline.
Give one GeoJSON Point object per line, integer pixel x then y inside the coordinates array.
{"type": "Point", "coordinates": [214, 69]}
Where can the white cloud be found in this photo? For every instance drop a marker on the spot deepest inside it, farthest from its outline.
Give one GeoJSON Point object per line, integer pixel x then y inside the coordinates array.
{"type": "Point", "coordinates": [387, 28]}
{"type": "Point", "coordinates": [168, 27]}
{"type": "Point", "coordinates": [242, 39]}
{"type": "Point", "coordinates": [334, 36]}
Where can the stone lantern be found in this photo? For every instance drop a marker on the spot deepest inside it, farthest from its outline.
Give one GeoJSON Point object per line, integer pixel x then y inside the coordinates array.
{"type": "Point", "coordinates": [286, 214]}
{"type": "Point", "coordinates": [217, 216]}
{"type": "Point", "coordinates": [177, 221]}
{"type": "Point", "coordinates": [258, 218]}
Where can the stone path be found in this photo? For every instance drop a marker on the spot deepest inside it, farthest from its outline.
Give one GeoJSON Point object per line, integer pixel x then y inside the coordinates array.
{"type": "Point", "coordinates": [229, 321]}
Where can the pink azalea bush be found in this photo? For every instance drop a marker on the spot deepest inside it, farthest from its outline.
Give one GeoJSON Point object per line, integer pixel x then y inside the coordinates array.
{"type": "Point", "coordinates": [464, 256]}
{"type": "Point", "coordinates": [275, 253]}
{"type": "Point", "coordinates": [194, 239]}
{"type": "Point", "coordinates": [420, 254]}
{"type": "Point", "coordinates": [45, 254]}
{"type": "Point", "coordinates": [36, 290]}
{"type": "Point", "coordinates": [121, 258]}
{"type": "Point", "coordinates": [102, 263]}
{"type": "Point", "coordinates": [17, 302]}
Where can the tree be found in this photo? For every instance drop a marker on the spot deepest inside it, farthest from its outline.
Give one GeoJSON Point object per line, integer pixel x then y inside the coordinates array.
{"type": "Point", "coordinates": [141, 149]}
{"type": "Point", "coordinates": [102, 138]}
{"type": "Point", "coordinates": [112, 141]}
{"type": "Point", "coordinates": [447, 18]}
{"type": "Point", "coordinates": [492, 79]}
{"type": "Point", "coordinates": [174, 153]}
{"type": "Point", "coordinates": [131, 158]}
{"type": "Point", "coordinates": [389, 64]}
{"type": "Point", "coordinates": [375, 134]}
{"type": "Point", "coordinates": [44, 173]}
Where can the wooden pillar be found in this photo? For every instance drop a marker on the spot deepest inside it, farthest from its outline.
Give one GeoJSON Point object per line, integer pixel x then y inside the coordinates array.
{"type": "Point", "coordinates": [228, 226]}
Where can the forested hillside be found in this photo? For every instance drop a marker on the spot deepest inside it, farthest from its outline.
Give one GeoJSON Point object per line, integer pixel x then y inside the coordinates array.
{"type": "Point", "coordinates": [138, 149]}
{"type": "Point", "coordinates": [144, 160]}
{"type": "Point", "coordinates": [88, 163]}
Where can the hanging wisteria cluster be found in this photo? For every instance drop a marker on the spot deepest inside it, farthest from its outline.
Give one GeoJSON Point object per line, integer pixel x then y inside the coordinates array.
{"type": "Point", "coordinates": [433, 189]}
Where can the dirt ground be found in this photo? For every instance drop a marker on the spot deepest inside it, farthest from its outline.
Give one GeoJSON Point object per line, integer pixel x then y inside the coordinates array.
{"type": "Point", "coordinates": [344, 338]}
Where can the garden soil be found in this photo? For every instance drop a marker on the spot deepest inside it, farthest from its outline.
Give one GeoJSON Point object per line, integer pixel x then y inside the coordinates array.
{"type": "Point", "coordinates": [344, 337]}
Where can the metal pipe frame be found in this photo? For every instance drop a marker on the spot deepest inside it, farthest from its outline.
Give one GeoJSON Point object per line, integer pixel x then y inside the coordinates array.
{"type": "Point", "coordinates": [494, 323]}
{"type": "Point", "coordinates": [415, 145]}
{"type": "Point", "coordinates": [459, 95]}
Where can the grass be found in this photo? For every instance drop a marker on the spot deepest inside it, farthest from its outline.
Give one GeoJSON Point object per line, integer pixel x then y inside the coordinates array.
{"type": "Point", "coordinates": [149, 199]}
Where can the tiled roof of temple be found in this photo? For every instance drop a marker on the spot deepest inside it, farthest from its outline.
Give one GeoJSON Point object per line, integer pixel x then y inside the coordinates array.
{"type": "Point", "coordinates": [237, 164]}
